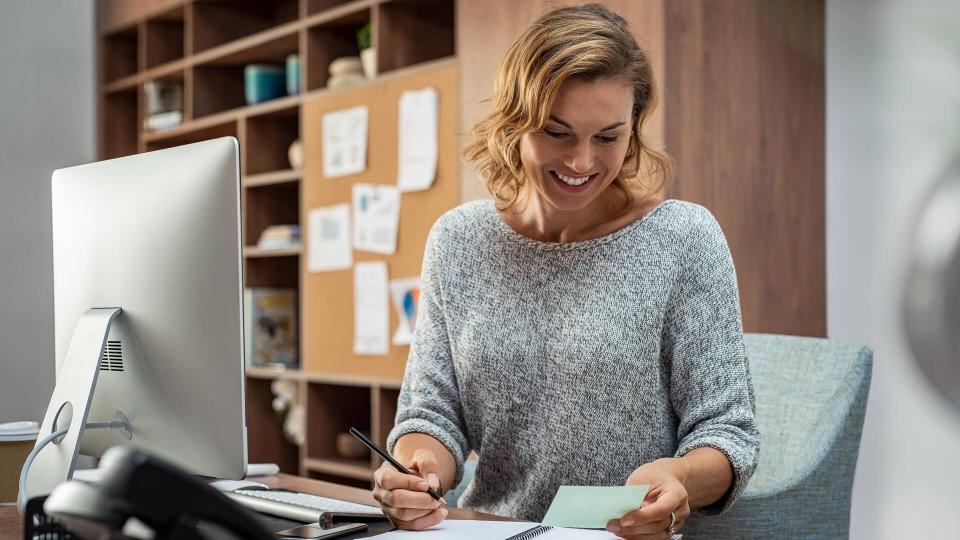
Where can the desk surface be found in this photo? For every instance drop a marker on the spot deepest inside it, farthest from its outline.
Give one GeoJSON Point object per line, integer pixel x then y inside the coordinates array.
{"type": "Point", "coordinates": [11, 525]}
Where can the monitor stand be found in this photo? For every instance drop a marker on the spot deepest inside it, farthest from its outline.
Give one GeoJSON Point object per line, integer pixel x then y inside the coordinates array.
{"type": "Point", "coordinates": [70, 402]}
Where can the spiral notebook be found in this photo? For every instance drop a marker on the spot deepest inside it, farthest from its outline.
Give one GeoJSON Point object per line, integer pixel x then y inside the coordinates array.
{"type": "Point", "coordinates": [465, 529]}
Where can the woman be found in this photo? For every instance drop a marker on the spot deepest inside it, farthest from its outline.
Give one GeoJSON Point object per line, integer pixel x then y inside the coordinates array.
{"type": "Point", "coordinates": [578, 330]}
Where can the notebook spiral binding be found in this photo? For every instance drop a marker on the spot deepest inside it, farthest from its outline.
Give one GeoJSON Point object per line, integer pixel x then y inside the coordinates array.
{"type": "Point", "coordinates": [531, 533]}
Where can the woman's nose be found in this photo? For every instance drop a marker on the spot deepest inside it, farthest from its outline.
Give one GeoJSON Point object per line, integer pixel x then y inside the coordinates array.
{"type": "Point", "coordinates": [580, 158]}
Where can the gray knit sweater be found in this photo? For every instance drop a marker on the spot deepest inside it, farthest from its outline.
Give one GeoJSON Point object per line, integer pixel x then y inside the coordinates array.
{"type": "Point", "coordinates": [575, 363]}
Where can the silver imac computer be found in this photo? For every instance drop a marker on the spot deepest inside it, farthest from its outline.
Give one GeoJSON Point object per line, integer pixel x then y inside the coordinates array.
{"type": "Point", "coordinates": [148, 313]}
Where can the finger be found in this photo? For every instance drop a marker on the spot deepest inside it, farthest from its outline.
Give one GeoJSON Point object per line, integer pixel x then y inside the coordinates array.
{"type": "Point", "coordinates": [410, 514]}
{"type": "Point", "coordinates": [658, 535]}
{"type": "Point", "coordinates": [402, 498]}
{"type": "Point", "coordinates": [659, 510]}
{"type": "Point", "coordinates": [392, 479]}
{"type": "Point", "coordinates": [427, 467]}
{"type": "Point", "coordinates": [421, 523]}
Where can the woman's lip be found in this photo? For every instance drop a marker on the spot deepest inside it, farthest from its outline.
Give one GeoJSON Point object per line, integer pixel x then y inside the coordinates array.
{"type": "Point", "coordinates": [567, 187]}
{"type": "Point", "coordinates": [581, 175]}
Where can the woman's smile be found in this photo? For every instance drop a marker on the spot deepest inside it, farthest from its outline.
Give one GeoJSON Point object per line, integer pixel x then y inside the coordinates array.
{"type": "Point", "coordinates": [572, 184]}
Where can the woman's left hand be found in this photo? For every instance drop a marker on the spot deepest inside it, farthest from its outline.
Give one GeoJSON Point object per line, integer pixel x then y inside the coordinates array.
{"type": "Point", "coordinates": [667, 494]}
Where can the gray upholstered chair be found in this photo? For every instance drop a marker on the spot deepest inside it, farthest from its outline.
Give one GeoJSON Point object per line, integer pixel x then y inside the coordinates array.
{"type": "Point", "coordinates": [811, 395]}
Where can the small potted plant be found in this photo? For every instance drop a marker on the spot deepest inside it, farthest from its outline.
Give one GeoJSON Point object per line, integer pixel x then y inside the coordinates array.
{"type": "Point", "coordinates": [368, 54]}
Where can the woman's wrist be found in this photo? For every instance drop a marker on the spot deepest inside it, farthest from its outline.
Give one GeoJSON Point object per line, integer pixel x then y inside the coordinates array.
{"type": "Point", "coordinates": [679, 468]}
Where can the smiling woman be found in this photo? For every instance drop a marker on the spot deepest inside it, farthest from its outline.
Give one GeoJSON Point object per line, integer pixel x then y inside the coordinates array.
{"type": "Point", "coordinates": [589, 91]}
{"type": "Point", "coordinates": [578, 330]}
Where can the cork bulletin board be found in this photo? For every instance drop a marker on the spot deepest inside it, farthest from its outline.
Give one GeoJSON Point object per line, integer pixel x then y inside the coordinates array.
{"type": "Point", "coordinates": [328, 297]}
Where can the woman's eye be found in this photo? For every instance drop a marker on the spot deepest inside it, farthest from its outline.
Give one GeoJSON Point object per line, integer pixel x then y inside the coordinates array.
{"type": "Point", "coordinates": [554, 134]}
{"type": "Point", "coordinates": [607, 139]}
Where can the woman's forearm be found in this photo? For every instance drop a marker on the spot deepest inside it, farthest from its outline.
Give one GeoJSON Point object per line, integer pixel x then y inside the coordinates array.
{"type": "Point", "coordinates": [408, 444]}
{"type": "Point", "coordinates": [706, 474]}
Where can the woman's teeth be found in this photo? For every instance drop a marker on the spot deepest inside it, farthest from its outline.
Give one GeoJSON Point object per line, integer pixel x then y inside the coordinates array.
{"type": "Point", "coordinates": [569, 180]}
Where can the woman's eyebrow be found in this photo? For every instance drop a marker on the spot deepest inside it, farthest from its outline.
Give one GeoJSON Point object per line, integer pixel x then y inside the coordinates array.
{"type": "Point", "coordinates": [568, 126]}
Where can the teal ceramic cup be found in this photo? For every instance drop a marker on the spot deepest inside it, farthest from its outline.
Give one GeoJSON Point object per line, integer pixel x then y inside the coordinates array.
{"type": "Point", "coordinates": [263, 82]}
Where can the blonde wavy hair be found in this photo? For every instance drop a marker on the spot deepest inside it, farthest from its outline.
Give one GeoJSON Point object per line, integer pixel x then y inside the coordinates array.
{"type": "Point", "coordinates": [585, 42]}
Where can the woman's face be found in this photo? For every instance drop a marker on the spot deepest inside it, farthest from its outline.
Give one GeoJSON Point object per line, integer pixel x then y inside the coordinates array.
{"type": "Point", "coordinates": [580, 151]}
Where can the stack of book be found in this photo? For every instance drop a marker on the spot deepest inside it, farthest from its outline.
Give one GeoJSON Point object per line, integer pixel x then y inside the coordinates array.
{"type": "Point", "coordinates": [164, 104]}
{"type": "Point", "coordinates": [279, 237]}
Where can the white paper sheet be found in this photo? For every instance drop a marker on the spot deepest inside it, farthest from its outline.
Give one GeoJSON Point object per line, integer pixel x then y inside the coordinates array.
{"type": "Point", "coordinates": [376, 218]}
{"type": "Point", "coordinates": [417, 155]}
{"type": "Point", "coordinates": [328, 239]}
{"type": "Point", "coordinates": [345, 142]}
{"type": "Point", "coordinates": [406, 300]}
{"type": "Point", "coordinates": [468, 529]}
{"type": "Point", "coordinates": [371, 315]}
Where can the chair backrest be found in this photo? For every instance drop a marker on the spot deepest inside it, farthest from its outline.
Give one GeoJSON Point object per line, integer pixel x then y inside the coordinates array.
{"type": "Point", "coordinates": [806, 390]}
{"type": "Point", "coordinates": [811, 397]}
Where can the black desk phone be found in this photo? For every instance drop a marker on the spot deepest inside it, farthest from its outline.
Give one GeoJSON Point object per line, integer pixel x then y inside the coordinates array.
{"type": "Point", "coordinates": [142, 496]}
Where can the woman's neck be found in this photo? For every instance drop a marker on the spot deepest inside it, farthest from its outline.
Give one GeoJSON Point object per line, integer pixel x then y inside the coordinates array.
{"type": "Point", "coordinates": [536, 219]}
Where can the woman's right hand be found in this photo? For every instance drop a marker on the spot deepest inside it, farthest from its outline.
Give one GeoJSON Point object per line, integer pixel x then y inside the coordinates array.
{"type": "Point", "coordinates": [404, 497]}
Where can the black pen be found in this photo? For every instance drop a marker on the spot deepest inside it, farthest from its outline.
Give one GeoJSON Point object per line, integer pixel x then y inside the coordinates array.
{"type": "Point", "coordinates": [396, 464]}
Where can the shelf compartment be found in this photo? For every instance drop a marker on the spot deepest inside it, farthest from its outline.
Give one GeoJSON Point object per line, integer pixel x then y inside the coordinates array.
{"type": "Point", "coordinates": [331, 410]}
{"type": "Point", "coordinates": [265, 439]}
{"type": "Point", "coordinates": [269, 137]}
{"type": "Point", "coordinates": [385, 412]}
{"type": "Point", "coordinates": [413, 31]}
{"type": "Point", "coordinates": [216, 22]}
{"type": "Point", "coordinates": [119, 56]}
{"type": "Point", "coordinates": [276, 204]}
{"type": "Point", "coordinates": [176, 78]}
{"type": "Point", "coordinates": [119, 124]}
{"type": "Point", "coordinates": [271, 178]}
{"type": "Point", "coordinates": [218, 82]}
{"type": "Point", "coordinates": [331, 39]}
{"type": "Point", "coordinates": [164, 38]}
{"type": "Point", "coordinates": [277, 271]}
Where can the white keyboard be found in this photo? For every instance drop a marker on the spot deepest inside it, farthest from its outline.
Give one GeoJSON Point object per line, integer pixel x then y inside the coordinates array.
{"type": "Point", "coordinates": [302, 507]}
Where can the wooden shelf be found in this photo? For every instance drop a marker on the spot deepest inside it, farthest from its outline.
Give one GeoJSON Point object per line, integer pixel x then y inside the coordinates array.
{"type": "Point", "coordinates": [351, 380]}
{"type": "Point", "coordinates": [271, 178]}
{"type": "Point", "coordinates": [126, 83]}
{"type": "Point", "coordinates": [253, 251]}
{"type": "Point", "coordinates": [225, 117]}
{"type": "Point", "coordinates": [359, 469]}
{"type": "Point", "coordinates": [270, 373]}
{"type": "Point", "coordinates": [206, 44]}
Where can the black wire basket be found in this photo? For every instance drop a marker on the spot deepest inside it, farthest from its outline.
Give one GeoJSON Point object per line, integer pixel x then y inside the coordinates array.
{"type": "Point", "coordinates": [37, 525]}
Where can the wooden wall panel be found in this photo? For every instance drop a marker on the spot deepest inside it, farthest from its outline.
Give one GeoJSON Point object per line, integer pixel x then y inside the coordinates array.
{"type": "Point", "coordinates": [745, 120]}
{"type": "Point", "coordinates": [485, 30]}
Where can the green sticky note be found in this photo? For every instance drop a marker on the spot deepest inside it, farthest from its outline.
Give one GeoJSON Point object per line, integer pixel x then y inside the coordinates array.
{"type": "Point", "coordinates": [591, 507]}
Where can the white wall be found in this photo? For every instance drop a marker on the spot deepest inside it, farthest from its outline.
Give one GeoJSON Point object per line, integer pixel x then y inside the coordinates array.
{"type": "Point", "coordinates": [46, 122]}
{"type": "Point", "coordinates": [893, 123]}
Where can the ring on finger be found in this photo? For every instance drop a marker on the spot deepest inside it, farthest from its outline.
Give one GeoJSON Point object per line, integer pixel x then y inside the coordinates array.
{"type": "Point", "coordinates": [673, 521]}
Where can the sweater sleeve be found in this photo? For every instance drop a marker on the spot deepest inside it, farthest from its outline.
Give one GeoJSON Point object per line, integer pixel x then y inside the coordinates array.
{"type": "Point", "coordinates": [429, 399]}
{"type": "Point", "coordinates": [710, 386]}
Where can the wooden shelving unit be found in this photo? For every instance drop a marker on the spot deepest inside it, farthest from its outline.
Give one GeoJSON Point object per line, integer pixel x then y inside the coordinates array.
{"type": "Point", "coordinates": [205, 44]}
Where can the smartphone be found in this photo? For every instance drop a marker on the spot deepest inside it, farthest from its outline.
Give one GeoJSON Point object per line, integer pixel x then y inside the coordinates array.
{"type": "Point", "coordinates": [314, 530]}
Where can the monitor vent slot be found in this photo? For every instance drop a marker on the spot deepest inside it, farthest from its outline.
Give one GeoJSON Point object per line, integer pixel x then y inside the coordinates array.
{"type": "Point", "coordinates": [112, 357]}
